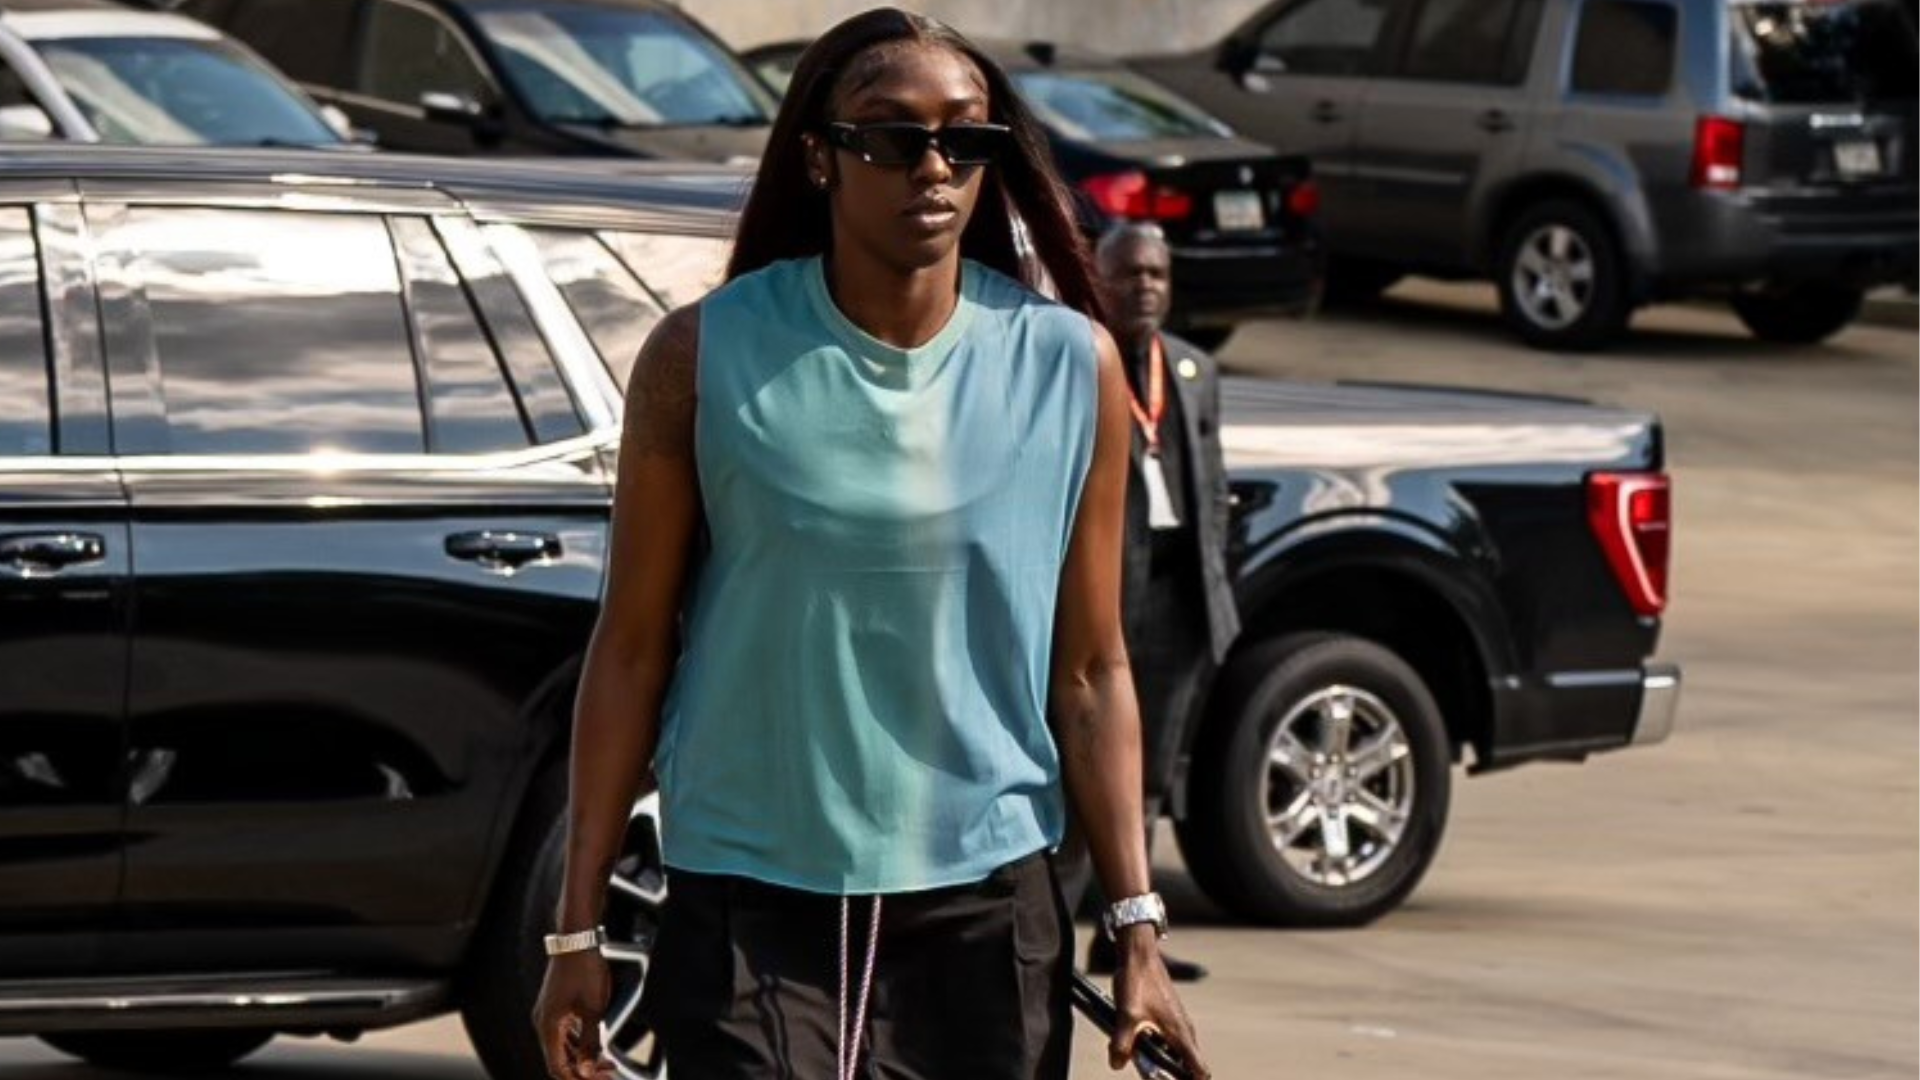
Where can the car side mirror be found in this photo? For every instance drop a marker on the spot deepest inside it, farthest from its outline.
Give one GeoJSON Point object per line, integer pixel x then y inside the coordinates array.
{"type": "Point", "coordinates": [25, 122]}
{"type": "Point", "coordinates": [1265, 63]}
{"type": "Point", "coordinates": [337, 120]}
{"type": "Point", "coordinates": [447, 107]}
{"type": "Point", "coordinates": [343, 126]}
{"type": "Point", "coordinates": [1249, 64]}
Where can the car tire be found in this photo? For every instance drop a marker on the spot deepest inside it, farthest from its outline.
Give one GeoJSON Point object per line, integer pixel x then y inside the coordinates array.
{"type": "Point", "coordinates": [506, 965]}
{"type": "Point", "coordinates": [1563, 282]}
{"type": "Point", "coordinates": [164, 1053]}
{"type": "Point", "coordinates": [1798, 314]}
{"type": "Point", "coordinates": [1365, 820]}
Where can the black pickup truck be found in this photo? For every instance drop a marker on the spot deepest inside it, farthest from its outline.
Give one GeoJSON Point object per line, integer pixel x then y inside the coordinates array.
{"type": "Point", "coordinates": [1426, 576]}
{"type": "Point", "coordinates": [304, 486]}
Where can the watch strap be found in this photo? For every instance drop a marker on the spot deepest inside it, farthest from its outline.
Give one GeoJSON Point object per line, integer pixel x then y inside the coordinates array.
{"type": "Point", "coordinates": [1145, 908]}
{"type": "Point", "coordinates": [578, 941]}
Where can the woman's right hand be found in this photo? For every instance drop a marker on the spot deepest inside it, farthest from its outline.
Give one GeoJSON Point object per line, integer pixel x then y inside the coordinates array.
{"type": "Point", "coordinates": [573, 998]}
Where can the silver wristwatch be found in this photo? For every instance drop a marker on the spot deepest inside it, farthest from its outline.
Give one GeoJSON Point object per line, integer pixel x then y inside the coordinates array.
{"type": "Point", "coordinates": [1145, 908]}
{"type": "Point", "coordinates": [578, 941]}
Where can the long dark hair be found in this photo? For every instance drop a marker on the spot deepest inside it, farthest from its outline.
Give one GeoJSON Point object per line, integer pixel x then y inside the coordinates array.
{"type": "Point", "coordinates": [786, 217]}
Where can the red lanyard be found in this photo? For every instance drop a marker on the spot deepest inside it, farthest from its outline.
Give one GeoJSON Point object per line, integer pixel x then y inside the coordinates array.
{"type": "Point", "coordinates": [1156, 407]}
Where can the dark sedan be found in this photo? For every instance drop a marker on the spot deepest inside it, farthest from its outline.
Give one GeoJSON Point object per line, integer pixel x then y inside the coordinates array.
{"type": "Point", "coordinates": [1240, 218]}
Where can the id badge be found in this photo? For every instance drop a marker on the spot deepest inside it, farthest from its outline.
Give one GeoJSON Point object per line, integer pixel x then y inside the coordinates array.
{"type": "Point", "coordinates": [1160, 513]}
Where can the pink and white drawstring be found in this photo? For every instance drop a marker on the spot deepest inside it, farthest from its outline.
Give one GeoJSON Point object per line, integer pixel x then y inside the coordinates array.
{"type": "Point", "coordinates": [851, 1037]}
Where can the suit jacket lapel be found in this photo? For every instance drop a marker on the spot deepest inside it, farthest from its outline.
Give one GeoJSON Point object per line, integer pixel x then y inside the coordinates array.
{"type": "Point", "coordinates": [1187, 390]}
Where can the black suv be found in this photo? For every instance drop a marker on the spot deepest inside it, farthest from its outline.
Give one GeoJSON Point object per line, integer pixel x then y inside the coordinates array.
{"type": "Point", "coordinates": [303, 507]}
{"type": "Point", "coordinates": [1593, 155]}
{"type": "Point", "coordinates": [628, 78]}
{"type": "Point", "coordinates": [305, 472]}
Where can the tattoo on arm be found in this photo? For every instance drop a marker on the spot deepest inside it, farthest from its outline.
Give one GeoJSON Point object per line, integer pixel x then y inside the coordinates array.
{"type": "Point", "coordinates": [663, 387]}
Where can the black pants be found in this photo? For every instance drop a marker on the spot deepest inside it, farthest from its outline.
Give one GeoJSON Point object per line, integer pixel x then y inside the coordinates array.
{"type": "Point", "coordinates": [970, 981]}
{"type": "Point", "coordinates": [1172, 658]}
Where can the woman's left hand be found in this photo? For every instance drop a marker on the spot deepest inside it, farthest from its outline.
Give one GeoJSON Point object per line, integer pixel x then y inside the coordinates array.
{"type": "Point", "coordinates": [1144, 998]}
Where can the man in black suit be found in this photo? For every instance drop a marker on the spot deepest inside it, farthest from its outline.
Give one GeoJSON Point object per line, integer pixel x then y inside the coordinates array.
{"type": "Point", "coordinates": [1180, 613]}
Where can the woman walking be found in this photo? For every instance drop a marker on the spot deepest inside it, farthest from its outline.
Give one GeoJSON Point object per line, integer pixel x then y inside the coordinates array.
{"type": "Point", "coordinates": [863, 611]}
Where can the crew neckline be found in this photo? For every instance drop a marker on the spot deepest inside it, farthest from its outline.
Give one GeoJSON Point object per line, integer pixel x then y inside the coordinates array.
{"type": "Point", "coordinates": [872, 347]}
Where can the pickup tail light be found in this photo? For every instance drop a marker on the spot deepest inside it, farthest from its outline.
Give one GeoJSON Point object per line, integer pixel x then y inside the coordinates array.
{"type": "Point", "coordinates": [1632, 516]}
{"type": "Point", "coordinates": [1134, 196]}
{"type": "Point", "coordinates": [1719, 145]}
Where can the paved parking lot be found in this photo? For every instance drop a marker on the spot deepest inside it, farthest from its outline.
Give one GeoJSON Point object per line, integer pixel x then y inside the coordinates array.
{"type": "Point", "coordinates": [1739, 904]}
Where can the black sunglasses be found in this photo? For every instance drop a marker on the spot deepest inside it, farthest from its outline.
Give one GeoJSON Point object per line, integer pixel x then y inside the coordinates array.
{"type": "Point", "coordinates": [897, 145]}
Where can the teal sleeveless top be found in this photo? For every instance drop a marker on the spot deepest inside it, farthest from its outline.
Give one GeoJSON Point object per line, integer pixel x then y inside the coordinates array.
{"type": "Point", "coordinates": [860, 706]}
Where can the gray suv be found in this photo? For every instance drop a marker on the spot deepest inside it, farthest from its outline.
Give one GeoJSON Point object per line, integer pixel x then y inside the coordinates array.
{"type": "Point", "coordinates": [1593, 155]}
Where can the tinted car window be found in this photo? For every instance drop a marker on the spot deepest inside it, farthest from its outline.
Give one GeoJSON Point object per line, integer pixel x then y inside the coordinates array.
{"type": "Point", "coordinates": [1325, 37]}
{"type": "Point", "coordinates": [1099, 105]}
{"type": "Point", "coordinates": [1462, 40]}
{"type": "Point", "coordinates": [470, 408]}
{"type": "Point", "coordinates": [25, 416]}
{"type": "Point", "coordinates": [180, 91]}
{"type": "Point", "coordinates": [306, 40]}
{"type": "Point", "coordinates": [634, 68]}
{"type": "Point", "coordinates": [608, 300]}
{"type": "Point", "coordinates": [1624, 47]}
{"type": "Point", "coordinates": [274, 332]}
{"type": "Point", "coordinates": [1831, 53]}
{"type": "Point", "coordinates": [406, 51]}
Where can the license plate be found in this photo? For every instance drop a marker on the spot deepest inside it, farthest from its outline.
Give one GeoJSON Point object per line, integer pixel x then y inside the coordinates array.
{"type": "Point", "coordinates": [1238, 211]}
{"type": "Point", "coordinates": [1856, 158]}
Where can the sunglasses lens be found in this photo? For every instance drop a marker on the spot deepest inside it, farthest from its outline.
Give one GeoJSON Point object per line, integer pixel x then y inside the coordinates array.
{"type": "Point", "coordinates": [968, 145]}
{"type": "Point", "coordinates": [889, 144]}
{"type": "Point", "coordinates": [897, 145]}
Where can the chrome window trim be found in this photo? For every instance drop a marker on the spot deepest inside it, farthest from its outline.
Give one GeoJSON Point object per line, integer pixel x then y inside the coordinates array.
{"type": "Point", "coordinates": [36, 413]}
{"type": "Point", "coordinates": [70, 293]}
{"type": "Point", "coordinates": [490, 208]}
{"type": "Point", "coordinates": [580, 366]}
{"type": "Point", "coordinates": [535, 379]}
{"type": "Point", "coordinates": [136, 405]}
{"type": "Point", "coordinates": [567, 451]}
{"type": "Point", "coordinates": [286, 191]}
{"type": "Point", "coordinates": [37, 190]}
{"type": "Point", "coordinates": [416, 267]}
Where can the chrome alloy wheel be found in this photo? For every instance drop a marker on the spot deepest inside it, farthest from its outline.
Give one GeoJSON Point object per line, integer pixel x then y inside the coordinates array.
{"type": "Point", "coordinates": [1339, 785]}
{"type": "Point", "coordinates": [1553, 276]}
{"type": "Point", "coordinates": [637, 890]}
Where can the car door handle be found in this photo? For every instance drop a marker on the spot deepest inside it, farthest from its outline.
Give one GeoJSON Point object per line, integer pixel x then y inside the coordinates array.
{"type": "Point", "coordinates": [30, 554]}
{"type": "Point", "coordinates": [503, 549]}
{"type": "Point", "coordinates": [1495, 120]}
{"type": "Point", "coordinates": [1324, 112]}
